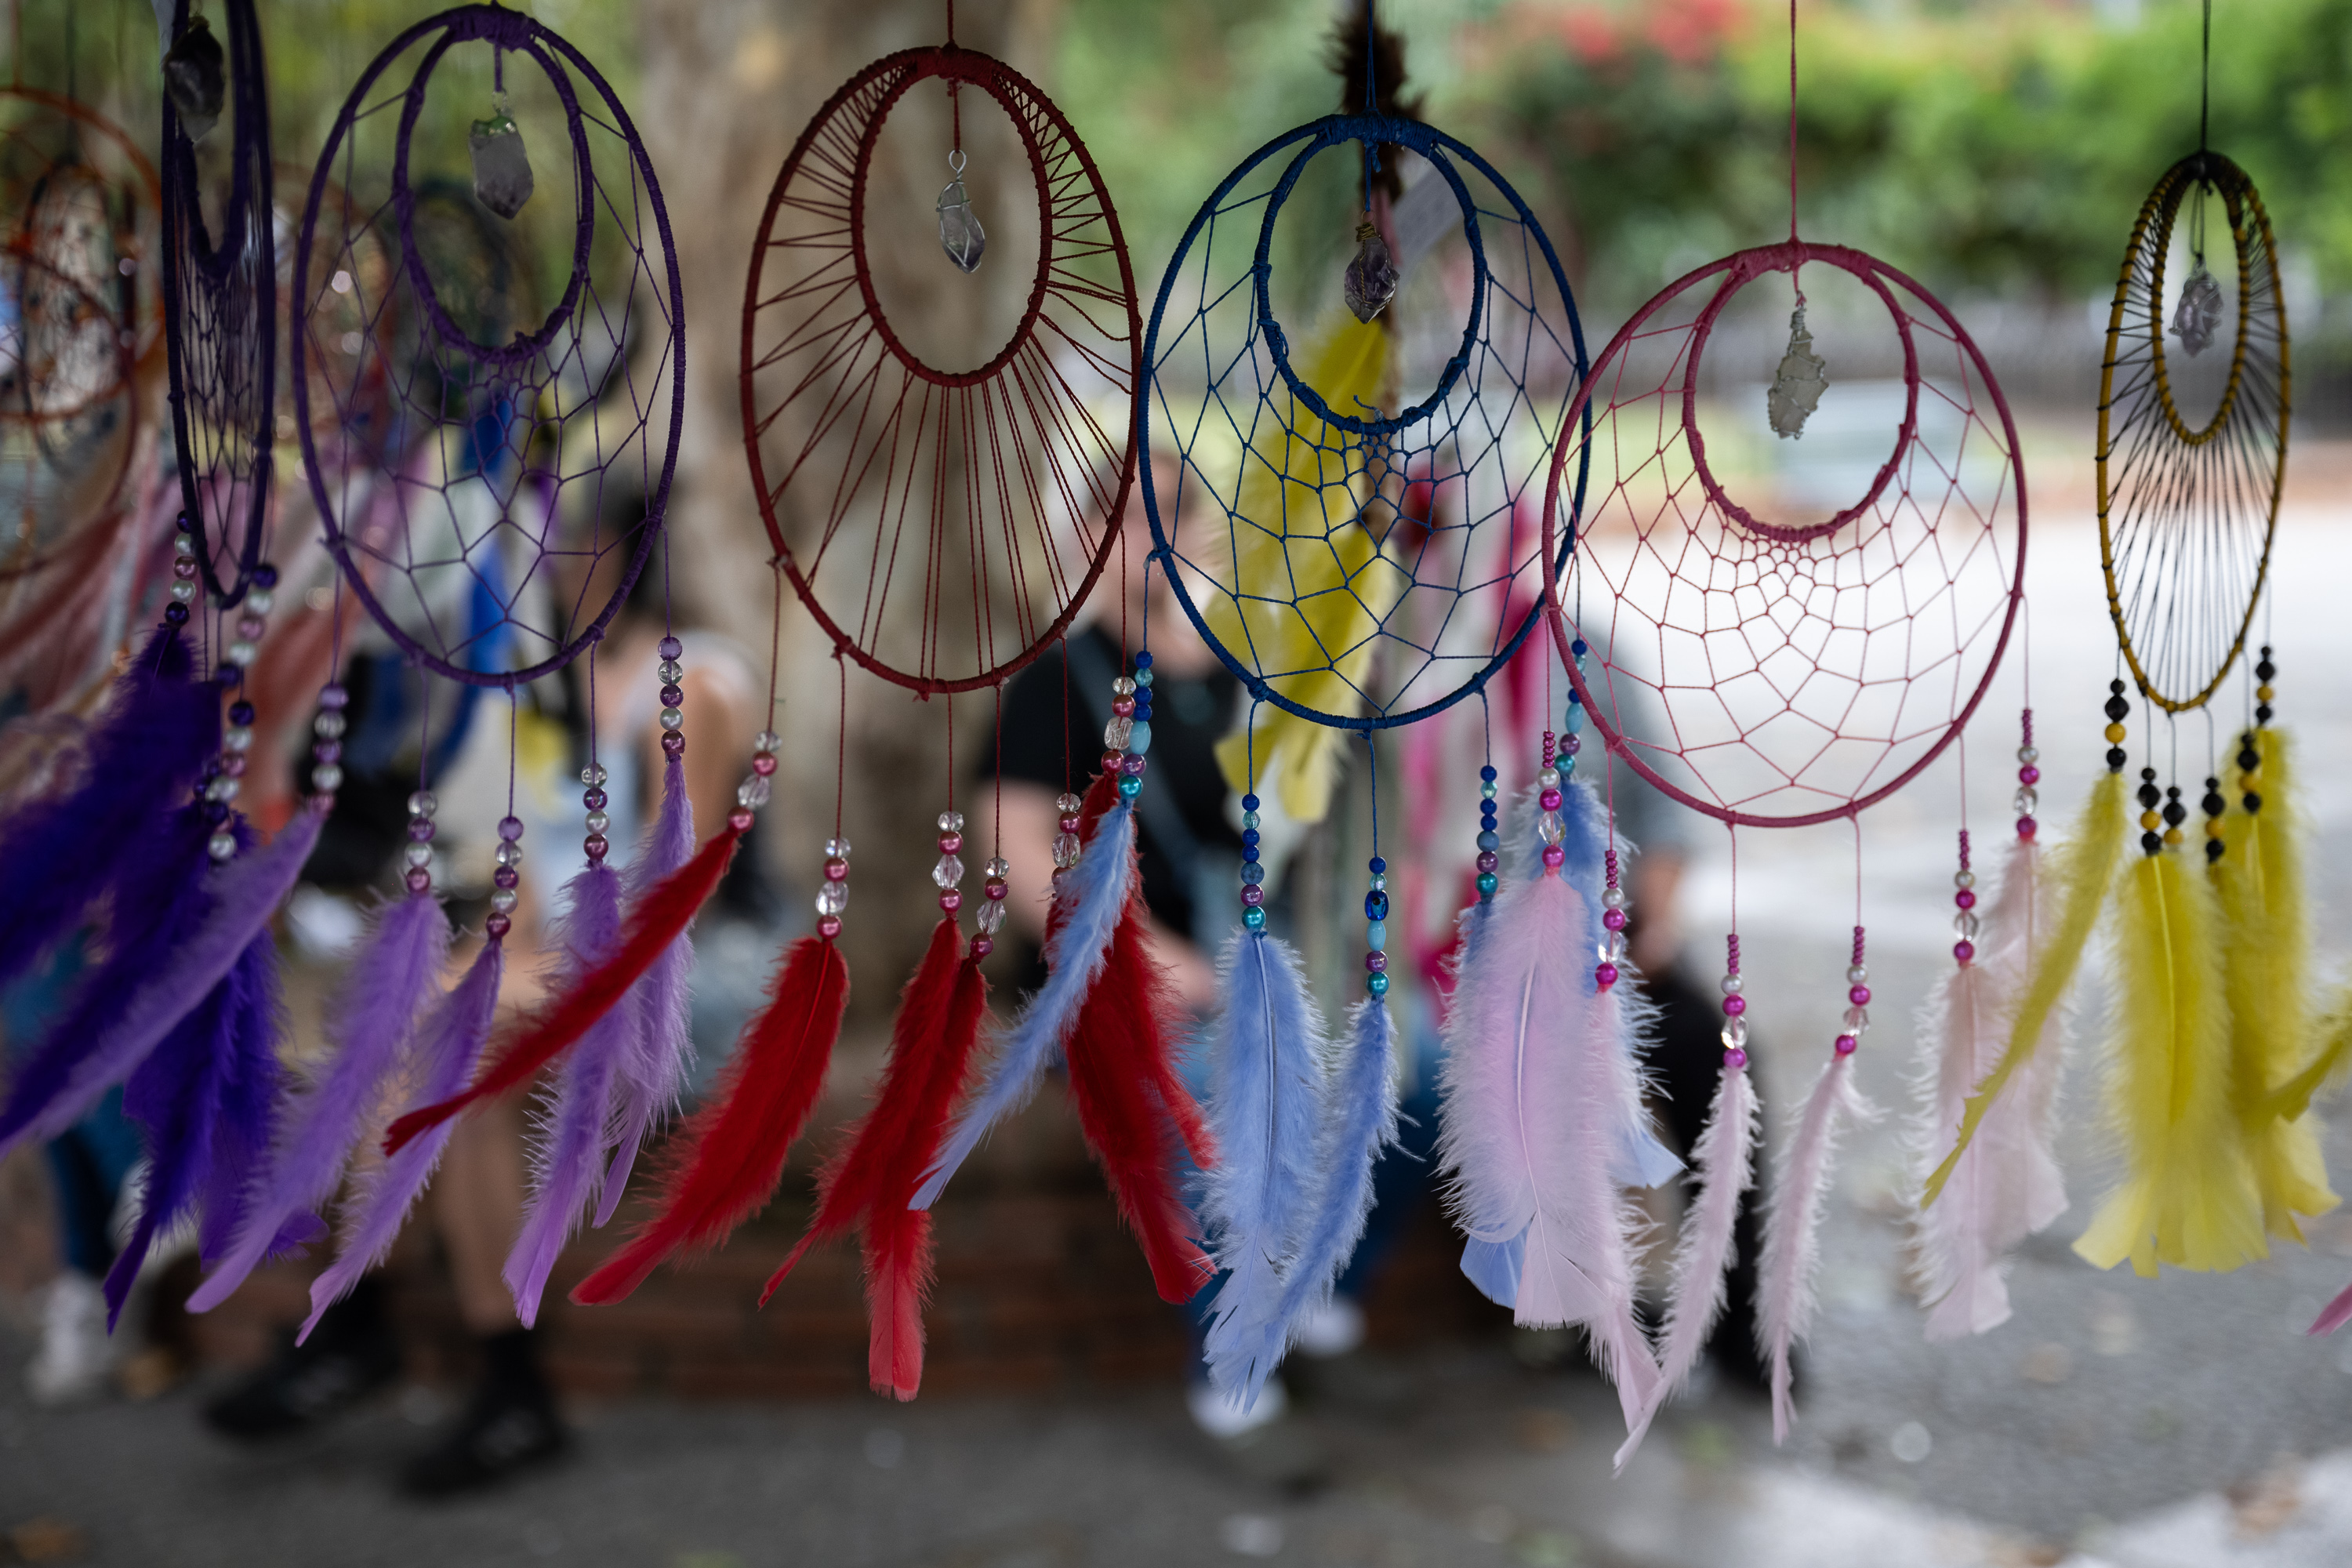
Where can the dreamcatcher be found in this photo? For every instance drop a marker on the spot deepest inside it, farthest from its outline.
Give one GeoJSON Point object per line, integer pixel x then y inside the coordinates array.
{"type": "Point", "coordinates": [491, 488]}
{"type": "Point", "coordinates": [1788, 658]}
{"type": "Point", "coordinates": [941, 512]}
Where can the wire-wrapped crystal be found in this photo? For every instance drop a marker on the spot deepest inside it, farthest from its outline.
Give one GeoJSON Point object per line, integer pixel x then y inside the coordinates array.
{"type": "Point", "coordinates": [501, 168]}
{"type": "Point", "coordinates": [960, 235]}
{"type": "Point", "coordinates": [195, 79]}
{"type": "Point", "coordinates": [1797, 385]}
{"type": "Point", "coordinates": [1371, 280]}
{"type": "Point", "coordinates": [2199, 313]}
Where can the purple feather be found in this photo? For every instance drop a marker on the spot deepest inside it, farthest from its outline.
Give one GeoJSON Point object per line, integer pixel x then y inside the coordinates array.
{"type": "Point", "coordinates": [653, 1070]}
{"type": "Point", "coordinates": [394, 976]}
{"type": "Point", "coordinates": [59, 855]}
{"type": "Point", "coordinates": [449, 1043]}
{"type": "Point", "coordinates": [577, 1128]}
{"type": "Point", "coordinates": [242, 894]}
{"type": "Point", "coordinates": [202, 1098]}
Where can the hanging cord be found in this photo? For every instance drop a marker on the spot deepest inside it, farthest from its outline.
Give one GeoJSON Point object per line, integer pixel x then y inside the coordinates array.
{"type": "Point", "coordinates": [775, 635]}
{"type": "Point", "coordinates": [1793, 122]}
{"type": "Point", "coordinates": [2205, 80]}
{"type": "Point", "coordinates": [841, 754]}
{"type": "Point", "coordinates": [1371, 99]}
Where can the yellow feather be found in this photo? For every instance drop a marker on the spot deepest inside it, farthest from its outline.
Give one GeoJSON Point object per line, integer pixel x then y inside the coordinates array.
{"type": "Point", "coordinates": [1307, 584]}
{"type": "Point", "coordinates": [2265, 957]}
{"type": "Point", "coordinates": [2187, 1195]}
{"type": "Point", "coordinates": [2085, 869]}
{"type": "Point", "coordinates": [2333, 1037]}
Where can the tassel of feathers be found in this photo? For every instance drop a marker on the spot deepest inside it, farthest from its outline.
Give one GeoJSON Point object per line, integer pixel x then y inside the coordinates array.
{"type": "Point", "coordinates": [1785, 1301]}
{"type": "Point", "coordinates": [652, 1072]}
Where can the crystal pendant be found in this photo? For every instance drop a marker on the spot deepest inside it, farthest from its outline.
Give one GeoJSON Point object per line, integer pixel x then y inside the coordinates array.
{"type": "Point", "coordinates": [1371, 280]}
{"type": "Point", "coordinates": [948, 872]}
{"type": "Point", "coordinates": [195, 79]}
{"type": "Point", "coordinates": [2200, 310]}
{"type": "Point", "coordinates": [1066, 851]}
{"type": "Point", "coordinates": [501, 168]}
{"type": "Point", "coordinates": [1797, 385]}
{"type": "Point", "coordinates": [832, 898]}
{"type": "Point", "coordinates": [960, 235]}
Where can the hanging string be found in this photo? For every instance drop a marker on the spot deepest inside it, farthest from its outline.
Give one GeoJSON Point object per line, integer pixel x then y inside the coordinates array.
{"type": "Point", "coordinates": [1792, 118]}
{"type": "Point", "coordinates": [2205, 79]}
{"type": "Point", "coordinates": [841, 754]}
{"type": "Point", "coordinates": [775, 635]}
{"type": "Point", "coordinates": [950, 706]}
{"type": "Point", "coordinates": [1372, 769]}
{"type": "Point", "coordinates": [996, 803]}
{"type": "Point", "coordinates": [1371, 99]}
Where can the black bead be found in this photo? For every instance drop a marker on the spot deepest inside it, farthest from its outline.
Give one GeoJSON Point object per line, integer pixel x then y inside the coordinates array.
{"type": "Point", "coordinates": [2213, 803]}
{"type": "Point", "coordinates": [2118, 709]}
{"type": "Point", "coordinates": [2151, 843]}
{"type": "Point", "coordinates": [2149, 773]}
{"type": "Point", "coordinates": [2174, 814]}
{"type": "Point", "coordinates": [2116, 686]}
{"type": "Point", "coordinates": [2149, 795]}
{"type": "Point", "coordinates": [2253, 802]}
{"type": "Point", "coordinates": [2115, 759]}
{"type": "Point", "coordinates": [2263, 714]}
{"type": "Point", "coordinates": [177, 613]}
{"type": "Point", "coordinates": [2265, 671]}
{"type": "Point", "coordinates": [2212, 850]}
{"type": "Point", "coordinates": [2249, 759]}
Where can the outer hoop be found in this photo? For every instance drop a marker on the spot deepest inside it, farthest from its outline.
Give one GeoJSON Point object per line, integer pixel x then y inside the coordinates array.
{"type": "Point", "coordinates": [1439, 149]}
{"type": "Point", "coordinates": [1735, 270]}
{"type": "Point", "coordinates": [2136, 324]}
{"type": "Point", "coordinates": [835, 151]}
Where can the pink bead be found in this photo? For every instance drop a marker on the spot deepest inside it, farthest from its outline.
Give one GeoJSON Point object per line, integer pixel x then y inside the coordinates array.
{"type": "Point", "coordinates": [496, 926]}
{"type": "Point", "coordinates": [1605, 976]}
{"type": "Point", "coordinates": [1966, 898]}
{"type": "Point", "coordinates": [1551, 799]}
{"type": "Point", "coordinates": [951, 900]}
{"type": "Point", "coordinates": [1070, 822]}
{"type": "Point", "coordinates": [829, 927]}
{"type": "Point", "coordinates": [184, 569]}
{"type": "Point", "coordinates": [762, 763]}
{"type": "Point", "coordinates": [739, 819]}
{"type": "Point", "coordinates": [1122, 706]}
{"type": "Point", "coordinates": [419, 879]}
{"type": "Point", "coordinates": [250, 627]}
{"type": "Point", "coordinates": [1859, 995]}
{"type": "Point", "coordinates": [597, 845]}
{"type": "Point", "coordinates": [1613, 918]}
{"type": "Point", "coordinates": [995, 889]}
{"type": "Point", "coordinates": [1553, 855]}
{"type": "Point", "coordinates": [234, 763]}
{"type": "Point", "coordinates": [982, 947]}
{"type": "Point", "coordinates": [1964, 951]}
{"type": "Point", "coordinates": [1110, 761]}
{"type": "Point", "coordinates": [1734, 1005]}
{"type": "Point", "coordinates": [2025, 827]}
{"type": "Point", "coordinates": [673, 743]}
{"type": "Point", "coordinates": [951, 842]}
{"type": "Point", "coordinates": [836, 870]}
{"type": "Point", "coordinates": [2029, 776]}
{"type": "Point", "coordinates": [1734, 1060]}
{"type": "Point", "coordinates": [1845, 1045]}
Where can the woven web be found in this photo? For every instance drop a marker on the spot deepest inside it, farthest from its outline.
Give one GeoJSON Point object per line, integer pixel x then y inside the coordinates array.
{"type": "Point", "coordinates": [220, 306]}
{"type": "Point", "coordinates": [942, 524]}
{"type": "Point", "coordinates": [2194, 449]}
{"type": "Point", "coordinates": [1371, 568]}
{"type": "Point", "coordinates": [77, 206]}
{"type": "Point", "coordinates": [1775, 670]}
{"type": "Point", "coordinates": [491, 481]}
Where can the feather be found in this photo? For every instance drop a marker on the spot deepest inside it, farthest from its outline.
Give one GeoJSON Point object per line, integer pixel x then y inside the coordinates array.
{"type": "Point", "coordinates": [2187, 1195]}
{"type": "Point", "coordinates": [240, 896]}
{"type": "Point", "coordinates": [1792, 1227]}
{"type": "Point", "coordinates": [1088, 902]}
{"type": "Point", "coordinates": [2007, 1184]}
{"type": "Point", "coordinates": [731, 1153]}
{"type": "Point", "coordinates": [1642, 1157]}
{"type": "Point", "coordinates": [202, 1099]}
{"type": "Point", "coordinates": [2338, 1313]}
{"type": "Point", "coordinates": [1132, 1104]}
{"type": "Point", "coordinates": [1267, 1085]}
{"type": "Point", "coordinates": [1535, 1092]}
{"type": "Point", "coordinates": [449, 1043]}
{"type": "Point", "coordinates": [2333, 1056]}
{"type": "Point", "coordinates": [2086, 870]}
{"type": "Point", "coordinates": [654, 922]}
{"type": "Point", "coordinates": [2266, 976]}
{"type": "Point", "coordinates": [1309, 585]}
{"type": "Point", "coordinates": [393, 976]}
{"type": "Point", "coordinates": [1724, 1159]}
{"type": "Point", "coordinates": [654, 1071]}
{"type": "Point", "coordinates": [852, 1182]}
{"type": "Point", "coordinates": [59, 855]}
{"type": "Point", "coordinates": [575, 1124]}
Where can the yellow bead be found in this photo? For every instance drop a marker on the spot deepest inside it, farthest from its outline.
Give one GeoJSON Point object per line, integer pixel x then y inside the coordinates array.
{"type": "Point", "coordinates": [2250, 777]}
{"type": "Point", "coordinates": [2264, 693]}
{"type": "Point", "coordinates": [2172, 836]}
{"type": "Point", "coordinates": [2149, 822]}
{"type": "Point", "coordinates": [2114, 734]}
{"type": "Point", "coordinates": [2214, 827]}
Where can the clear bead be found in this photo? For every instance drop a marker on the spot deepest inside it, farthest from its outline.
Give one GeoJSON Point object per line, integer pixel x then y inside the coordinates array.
{"type": "Point", "coordinates": [1856, 1020]}
{"type": "Point", "coordinates": [837, 849]}
{"type": "Point", "coordinates": [509, 854]}
{"type": "Point", "coordinates": [240, 652]}
{"type": "Point", "coordinates": [1379, 884]}
{"type": "Point", "coordinates": [1965, 925]}
{"type": "Point", "coordinates": [1249, 819]}
{"type": "Point", "coordinates": [948, 872]}
{"type": "Point", "coordinates": [766, 741]}
{"type": "Point", "coordinates": [1122, 687]}
{"type": "Point", "coordinates": [997, 868]}
{"type": "Point", "coordinates": [754, 792]}
{"type": "Point", "coordinates": [832, 898]}
{"type": "Point", "coordinates": [2024, 803]}
{"type": "Point", "coordinates": [220, 845]}
{"type": "Point", "coordinates": [1614, 899]}
{"type": "Point", "coordinates": [596, 821]}
{"type": "Point", "coordinates": [990, 918]}
{"type": "Point", "coordinates": [951, 822]}
{"type": "Point", "coordinates": [502, 179]}
{"type": "Point", "coordinates": [1372, 277]}
{"type": "Point", "coordinates": [417, 855]}
{"type": "Point", "coordinates": [1734, 1033]}
{"type": "Point", "coordinates": [1855, 974]}
{"type": "Point", "coordinates": [961, 234]}
{"type": "Point", "coordinates": [670, 671]}
{"type": "Point", "coordinates": [326, 776]}
{"type": "Point", "coordinates": [424, 803]}
{"type": "Point", "coordinates": [1733, 985]}
{"type": "Point", "coordinates": [238, 738]}
{"type": "Point", "coordinates": [329, 726]}
{"type": "Point", "coordinates": [503, 901]}
{"type": "Point", "coordinates": [1550, 829]}
{"type": "Point", "coordinates": [1488, 789]}
{"type": "Point", "coordinates": [1613, 950]}
{"type": "Point", "coordinates": [1067, 804]}
{"type": "Point", "coordinates": [671, 718]}
{"type": "Point", "coordinates": [1066, 849]}
{"type": "Point", "coordinates": [1117, 733]}
{"type": "Point", "coordinates": [594, 774]}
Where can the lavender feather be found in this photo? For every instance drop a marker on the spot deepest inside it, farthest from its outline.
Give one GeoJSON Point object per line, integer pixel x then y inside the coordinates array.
{"type": "Point", "coordinates": [653, 1071]}
{"type": "Point", "coordinates": [1267, 1108]}
{"type": "Point", "coordinates": [1641, 1158]}
{"type": "Point", "coordinates": [57, 856]}
{"type": "Point", "coordinates": [1093, 896]}
{"type": "Point", "coordinates": [449, 1043]}
{"type": "Point", "coordinates": [244, 893]}
{"type": "Point", "coordinates": [394, 977]}
{"type": "Point", "coordinates": [1792, 1228]}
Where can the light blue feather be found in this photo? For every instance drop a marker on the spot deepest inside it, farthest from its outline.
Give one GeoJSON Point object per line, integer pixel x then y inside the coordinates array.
{"type": "Point", "coordinates": [1267, 1085]}
{"type": "Point", "coordinates": [1093, 896]}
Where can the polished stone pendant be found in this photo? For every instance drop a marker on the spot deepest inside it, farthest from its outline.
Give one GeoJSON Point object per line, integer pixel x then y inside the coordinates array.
{"type": "Point", "coordinates": [960, 235]}
{"type": "Point", "coordinates": [195, 79]}
{"type": "Point", "coordinates": [2199, 313]}
{"type": "Point", "coordinates": [501, 168]}
{"type": "Point", "coordinates": [1797, 385]}
{"type": "Point", "coordinates": [1372, 279]}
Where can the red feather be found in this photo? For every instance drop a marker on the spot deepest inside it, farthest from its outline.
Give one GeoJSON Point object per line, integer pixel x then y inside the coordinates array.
{"type": "Point", "coordinates": [653, 925]}
{"type": "Point", "coordinates": [731, 1152]}
{"type": "Point", "coordinates": [1132, 1104]}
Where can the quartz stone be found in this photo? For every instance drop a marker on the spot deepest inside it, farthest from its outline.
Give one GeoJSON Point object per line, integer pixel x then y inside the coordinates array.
{"type": "Point", "coordinates": [2200, 310]}
{"type": "Point", "coordinates": [960, 235]}
{"type": "Point", "coordinates": [501, 168]}
{"type": "Point", "coordinates": [1797, 385]}
{"type": "Point", "coordinates": [195, 79]}
{"type": "Point", "coordinates": [1371, 280]}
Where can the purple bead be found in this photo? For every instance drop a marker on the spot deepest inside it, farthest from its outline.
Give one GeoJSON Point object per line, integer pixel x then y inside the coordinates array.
{"type": "Point", "coordinates": [215, 812]}
{"type": "Point", "coordinates": [506, 877]}
{"type": "Point", "coordinates": [265, 575]}
{"type": "Point", "coordinates": [496, 926]}
{"type": "Point", "coordinates": [324, 750]}
{"type": "Point", "coordinates": [250, 627]}
{"type": "Point", "coordinates": [1964, 951]}
{"type": "Point", "coordinates": [1571, 746]}
{"type": "Point", "coordinates": [1488, 860]}
{"type": "Point", "coordinates": [1859, 995]}
{"type": "Point", "coordinates": [240, 712]}
{"type": "Point", "coordinates": [2025, 827]}
{"type": "Point", "coordinates": [1123, 706]}
{"type": "Point", "coordinates": [672, 696]}
{"type": "Point", "coordinates": [1605, 976]}
{"type": "Point", "coordinates": [1253, 895]}
{"type": "Point", "coordinates": [419, 879]}
{"type": "Point", "coordinates": [509, 828]}
{"type": "Point", "coordinates": [184, 569]}
{"type": "Point", "coordinates": [1734, 1005]}
{"type": "Point", "coordinates": [1132, 765]}
{"type": "Point", "coordinates": [596, 844]}
{"type": "Point", "coordinates": [1550, 800]}
{"type": "Point", "coordinates": [1553, 855]}
{"type": "Point", "coordinates": [333, 699]}
{"type": "Point", "coordinates": [1613, 918]}
{"type": "Point", "coordinates": [593, 800]}
{"type": "Point", "coordinates": [1966, 898]}
{"type": "Point", "coordinates": [175, 614]}
{"type": "Point", "coordinates": [234, 763]}
{"type": "Point", "coordinates": [1376, 961]}
{"type": "Point", "coordinates": [673, 743]}
{"type": "Point", "coordinates": [2029, 776]}
{"type": "Point", "coordinates": [420, 831]}
{"type": "Point", "coordinates": [1734, 1060]}
{"type": "Point", "coordinates": [1845, 1045]}
{"type": "Point", "coordinates": [671, 647]}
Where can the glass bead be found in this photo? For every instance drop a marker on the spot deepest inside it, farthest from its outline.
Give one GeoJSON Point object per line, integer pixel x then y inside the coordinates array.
{"type": "Point", "coordinates": [1066, 849]}
{"type": "Point", "coordinates": [671, 718]}
{"type": "Point", "coordinates": [1613, 899]}
{"type": "Point", "coordinates": [424, 803]}
{"type": "Point", "coordinates": [420, 829]}
{"type": "Point", "coordinates": [1254, 919]}
{"type": "Point", "coordinates": [240, 712]}
{"type": "Point", "coordinates": [1122, 687]}
{"type": "Point", "coordinates": [510, 829]}
{"type": "Point", "coordinates": [1139, 738]}
{"type": "Point", "coordinates": [832, 898]}
{"type": "Point", "coordinates": [509, 854]}
{"type": "Point", "coordinates": [596, 821]}
{"type": "Point", "coordinates": [1488, 789]}
{"type": "Point", "coordinates": [1069, 805]}
{"type": "Point", "coordinates": [184, 592]}
{"type": "Point", "coordinates": [418, 854]}
{"type": "Point", "coordinates": [948, 872]}
{"type": "Point", "coordinates": [250, 627]}
{"type": "Point", "coordinates": [1370, 280]}
{"type": "Point", "coordinates": [1131, 764]}
{"type": "Point", "coordinates": [988, 917]}
{"type": "Point", "coordinates": [1965, 925]}
{"type": "Point", "coordinates": [333, 697]}
{"type": "Point", "coordinates": [1550, 829]}
{"type": "Point", "coordinates": [261, 601]}
{"type": "Point", "coordinates": [754, 792]}
{"type": "Point", "coordinates": [329, 726]}
{"type": "Point", "coordinates": [1856, 1020]}
{"type": "Point", "coordinates": [669, 648]}
{"type": "Point", "coordinates": [1118, 732]}
{"type": "Point", "coordinates": [1378, 883]}
{"type": "Point", "coordinates": [504, 900]}
{"type": "Point", "coordinates": [670, 671]}
{"type": "Point", "coordinates": [837, 849]}
{"type": "Point", "coordinates": [1613, 950]}
{"type": "Point", "coordinates": [1376, 905]}
{"type": "Point", "coordinates": [240, 652]}
{"type": "Point", "coordinates": [1143, 676]}
{"type": "Point", "coordinates": [327, 777]}
{"type": "Point", "coordinates": [997, 868]}
{"type": "Point", "coordinates": [951, 822]}
{"type": "Point", "coordinates": [1964, 880]}
{"type": "Point", "coordinates": [1734, 1033]}
{"type": "Point", "coordinates": [506, 877]}
{"type": "Point", "coordinates": [238, 738]}
{"type": "Point", "coordinates": [220, 845]}
{"type": "Point", "coordinates": [672, 696]}
{"type": "Point", "coordinates": [2025, 802]}
{"type": "Point", "coordinates": [1249, 819]}
{"type": "Point", "coordinates": [766, 741]}
{"type": "Point", "coordinates": [594, 774]}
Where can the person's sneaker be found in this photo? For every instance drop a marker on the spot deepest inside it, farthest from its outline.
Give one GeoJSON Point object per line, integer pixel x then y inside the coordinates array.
{"type": "Point", "coordinates": [503, 1431]}
{"type": "Point", "coordinates": [345, 1360]}
{"type": "Point", "coordinates": [75, 1354]}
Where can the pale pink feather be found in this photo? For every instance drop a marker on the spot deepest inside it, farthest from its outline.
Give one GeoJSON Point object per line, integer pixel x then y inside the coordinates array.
{"type": "Point", "coordinates": [1792, 1227]}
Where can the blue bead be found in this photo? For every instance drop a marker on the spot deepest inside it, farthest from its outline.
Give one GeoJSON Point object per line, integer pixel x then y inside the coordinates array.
{"type": "Point", "coordinates": [1139, 738]}
{"type": "Point", "coordinates": [1249, 838]}
{"type": "Point", "coordinates": [1487, 809]}
{"type": "Point", "coordinates": [1377, 985]}
{"type": "Point", "coordinates": [1378, 865]}
{"type": "Point", "coordinates": [1486, 884]}
{"type": "Point", "coordinates": [1143, 661]}
{"type": "Point", "coordinates": [1487, 773]}
{"type": "Point", "coordinates": [1576, 648]}
{"type": "Point", "coordinates": [1376, 905]}
{"type": "Point", "coordinates": [1575, 721]}
{"type": "Point", "coordinates": [1129, 787]}
{"type": "Point", "coordinates": [1376, 935]}
{"type": "Point", "coordinates": [1253, 917]}
{"type": "Point", "coordinates": [1142, 707]}
{"type": "Point", "coordinates": [1575, 698]}
{"type": "Point", "coordinates": [1253, 873]}
{"type": "Point", "coordinates": [1490, 839]}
